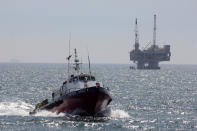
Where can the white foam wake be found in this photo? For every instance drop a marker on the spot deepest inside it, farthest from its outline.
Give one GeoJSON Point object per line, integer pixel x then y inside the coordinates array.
{"type": "Point", "coordinates": [15, 108]}
{"type": "Point", "coordinates": [45, 113]}
{"type": "Point", "coordinates": [119, 114]}
{"type": "Point", "coordinates": [20, 108]}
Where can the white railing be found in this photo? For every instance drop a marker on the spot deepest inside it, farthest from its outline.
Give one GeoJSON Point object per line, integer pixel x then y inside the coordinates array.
{"type": "Point", "coordinates": [72, 89]}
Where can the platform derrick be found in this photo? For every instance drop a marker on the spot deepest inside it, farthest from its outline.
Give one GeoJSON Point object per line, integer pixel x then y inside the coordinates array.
{"type": "Point", "coordinates": [149, 58]}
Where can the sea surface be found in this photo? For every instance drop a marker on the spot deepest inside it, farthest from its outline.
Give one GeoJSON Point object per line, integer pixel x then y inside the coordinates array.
{"type": "Point", "coordinates": [155, 100]}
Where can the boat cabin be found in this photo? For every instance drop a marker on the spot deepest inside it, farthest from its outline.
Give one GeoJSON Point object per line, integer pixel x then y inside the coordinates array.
{"type": "Point", "coordinates": [81, 77]}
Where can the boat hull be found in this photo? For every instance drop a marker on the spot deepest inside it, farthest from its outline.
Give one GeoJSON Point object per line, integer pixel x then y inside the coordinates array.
{"type": "Point", "coordinates": [85, 102]}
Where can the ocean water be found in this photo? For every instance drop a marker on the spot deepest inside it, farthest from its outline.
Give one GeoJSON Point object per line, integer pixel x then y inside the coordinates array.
{"type": "Point", "coordinates": [163, 99]}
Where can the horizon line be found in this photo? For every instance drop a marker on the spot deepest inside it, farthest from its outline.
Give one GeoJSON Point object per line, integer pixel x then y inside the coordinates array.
{"type": "Point", "coordinates": [91, 63]}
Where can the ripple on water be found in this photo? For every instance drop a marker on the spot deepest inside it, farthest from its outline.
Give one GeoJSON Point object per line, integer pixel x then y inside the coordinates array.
{"type": "Point", "coordinates": [142, 100]}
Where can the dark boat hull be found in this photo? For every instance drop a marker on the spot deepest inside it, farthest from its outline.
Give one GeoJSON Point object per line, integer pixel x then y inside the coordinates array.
{"type": "Point", "coordinates": [85, 102]}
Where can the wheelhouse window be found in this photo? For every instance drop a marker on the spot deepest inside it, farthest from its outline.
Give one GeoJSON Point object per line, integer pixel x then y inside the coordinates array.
{"type": "Point", "coordinates": [86, 78]}
{"type": "Point", "coordinates": [93, 78]}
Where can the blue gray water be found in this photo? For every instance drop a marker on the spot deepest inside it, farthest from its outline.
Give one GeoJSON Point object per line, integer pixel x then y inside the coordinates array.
{"type": "Point", "coordinates": [163, 99]}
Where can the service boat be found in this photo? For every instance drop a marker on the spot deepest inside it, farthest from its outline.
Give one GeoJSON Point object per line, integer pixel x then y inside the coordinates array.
{"type": "Point", "coordinates": [80, 95]}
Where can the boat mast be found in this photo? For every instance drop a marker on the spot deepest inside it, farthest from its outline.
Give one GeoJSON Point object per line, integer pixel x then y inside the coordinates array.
{"type": "Point", "coordinates": [69, 56]}
{"type": "Point", "coordinates": [76, 64]}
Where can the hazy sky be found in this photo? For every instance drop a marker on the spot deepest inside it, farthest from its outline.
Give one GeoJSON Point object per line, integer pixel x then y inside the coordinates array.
{"type": "Point", "coordinates": [38, 30]}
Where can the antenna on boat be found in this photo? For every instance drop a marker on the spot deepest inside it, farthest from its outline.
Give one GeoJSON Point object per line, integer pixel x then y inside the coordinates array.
{"type": "Point", "coordinates": [69, 56]}
{"type": "Point", "coordinates": [89, 63]}
{"type": "Point", "coordinates": [81, 65]}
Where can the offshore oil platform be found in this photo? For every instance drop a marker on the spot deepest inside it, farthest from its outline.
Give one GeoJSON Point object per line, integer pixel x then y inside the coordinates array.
{"type": "Point", "coordinates": [150, 56]}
